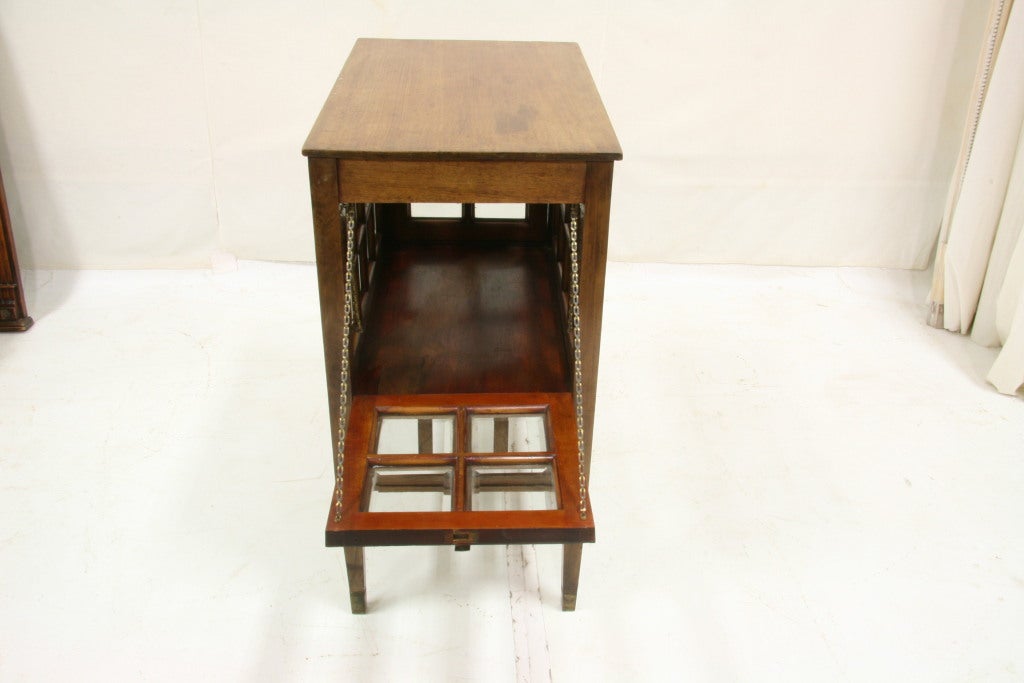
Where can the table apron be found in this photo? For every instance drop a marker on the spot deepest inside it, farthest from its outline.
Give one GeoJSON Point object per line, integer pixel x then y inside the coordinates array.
{"type": "Point", "coordinates": [400, 182]}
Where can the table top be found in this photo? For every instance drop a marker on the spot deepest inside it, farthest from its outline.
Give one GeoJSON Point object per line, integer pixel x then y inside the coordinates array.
{"type": "Point", "coordinates": [464, 100]}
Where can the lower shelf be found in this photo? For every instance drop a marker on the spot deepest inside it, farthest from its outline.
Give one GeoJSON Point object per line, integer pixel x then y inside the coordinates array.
{"type": "Point", "coordinates": [460, 469]}
{"type": "Point", "coordinates": [445, 319]}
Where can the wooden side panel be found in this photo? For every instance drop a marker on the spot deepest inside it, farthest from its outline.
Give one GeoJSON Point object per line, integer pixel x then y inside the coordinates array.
{"type": "Point", "coordinates": [330, 269]}
{"type": "Point", "coordinates": [594, 258]}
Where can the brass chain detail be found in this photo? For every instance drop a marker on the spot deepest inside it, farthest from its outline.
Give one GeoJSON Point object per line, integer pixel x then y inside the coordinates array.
{"type": "Point", "coordinates": [577, 349]}
{"type": "Point", "coordinates": [348, 217]}
{"type": "Point", "coordinates": [357, 313]}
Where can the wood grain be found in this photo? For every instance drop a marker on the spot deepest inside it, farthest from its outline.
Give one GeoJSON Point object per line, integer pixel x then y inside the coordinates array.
{"type": "Point", "coordinates": [330, 269]}
{"type": "Point", "coordinates": [593, 258]}
{"type": "Point", "coordinates": [442, 99]}
{"type": "Point", "coordinates": [463, 318]}
{"type": "Point", "coordinates": [467, 181]}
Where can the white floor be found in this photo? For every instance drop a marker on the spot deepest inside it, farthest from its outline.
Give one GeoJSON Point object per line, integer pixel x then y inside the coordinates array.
{"type": "Point", "coordinates": [794, 479]}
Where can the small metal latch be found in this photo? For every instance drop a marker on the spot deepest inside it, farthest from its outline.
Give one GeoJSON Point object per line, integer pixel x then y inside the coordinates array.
{"type": "Point", "coordinates": [462, 539]}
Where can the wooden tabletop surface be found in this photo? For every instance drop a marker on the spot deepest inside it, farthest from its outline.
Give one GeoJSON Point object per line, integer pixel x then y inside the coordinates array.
{"type": "Point", "coordinates": [464, 100]}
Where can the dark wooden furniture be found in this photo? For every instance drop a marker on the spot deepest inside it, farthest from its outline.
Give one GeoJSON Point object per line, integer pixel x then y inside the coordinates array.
{"type": "Point", "coordinates": [461, 385]}
{"type": "Point", "coordinates": [13, 314]}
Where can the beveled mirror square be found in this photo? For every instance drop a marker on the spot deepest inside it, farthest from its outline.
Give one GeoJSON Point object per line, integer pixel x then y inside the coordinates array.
{"type": "Point", "coordinates": [410, 489]}
{"type": "Point", "coordinates": [512, 487]}
{"type": "Point", "coordinates": [515, 433]}
{"type": "Point", "coordinates": [415, 434]}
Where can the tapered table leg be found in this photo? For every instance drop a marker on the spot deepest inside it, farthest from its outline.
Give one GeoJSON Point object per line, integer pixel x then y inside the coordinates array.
{"type": "Point", "coordinates": [357, 579]}
{"type": "Point", "coordinates": [572, 553]}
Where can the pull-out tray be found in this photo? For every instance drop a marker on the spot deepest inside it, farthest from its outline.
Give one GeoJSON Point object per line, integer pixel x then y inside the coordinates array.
{"type": "Point", "coordinates": [460, 469]}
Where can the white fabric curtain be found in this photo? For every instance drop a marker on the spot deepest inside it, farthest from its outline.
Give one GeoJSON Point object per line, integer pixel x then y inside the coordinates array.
{"type": "Point", "coordinates": [978, 284]}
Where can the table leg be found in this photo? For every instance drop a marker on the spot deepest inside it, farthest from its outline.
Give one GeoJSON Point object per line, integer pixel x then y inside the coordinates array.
{"type": "Point", "coordinates": [572, 554]}
{"type": "Point", "coordinates": [354, 565]}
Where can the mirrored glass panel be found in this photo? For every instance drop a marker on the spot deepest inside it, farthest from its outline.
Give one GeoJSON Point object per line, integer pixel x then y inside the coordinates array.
{"type": "Point", "coordinates": [514, 211]}
{"type": "Point", "coordinates": [512, 487]}
{"type": "Point", "coordinates": [523, 433]}
{"type": "Point", "coordinates": [411, 434]}
{"type": "Point", "coordinates": [424, 210]}
{"type": "Point", "coordinates": [410, 489]}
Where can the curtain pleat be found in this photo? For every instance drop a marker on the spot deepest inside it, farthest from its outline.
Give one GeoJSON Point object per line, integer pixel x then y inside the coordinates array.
{"type": "Point", "coordinates": [1000, 318]}
{"type": "Point", "coordinates": [979, 263]}
{"type": "Point", "coordinates": [974, 218]}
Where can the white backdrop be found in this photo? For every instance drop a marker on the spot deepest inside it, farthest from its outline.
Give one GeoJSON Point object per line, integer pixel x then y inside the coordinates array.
{"type": "Point", "coordinates": [149, 134]}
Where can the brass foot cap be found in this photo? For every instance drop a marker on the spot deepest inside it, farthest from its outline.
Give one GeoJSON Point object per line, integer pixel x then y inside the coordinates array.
{"type": "Point", "coordinates": [17, 325]}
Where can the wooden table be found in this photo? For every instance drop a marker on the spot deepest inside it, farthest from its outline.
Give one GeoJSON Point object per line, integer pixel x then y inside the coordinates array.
{"type": "Point", "coordinates": [459, 412]}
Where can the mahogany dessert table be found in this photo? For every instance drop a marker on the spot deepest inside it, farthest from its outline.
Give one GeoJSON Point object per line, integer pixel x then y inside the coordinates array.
{"type": "Point", "coordinates": [461, 194]}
